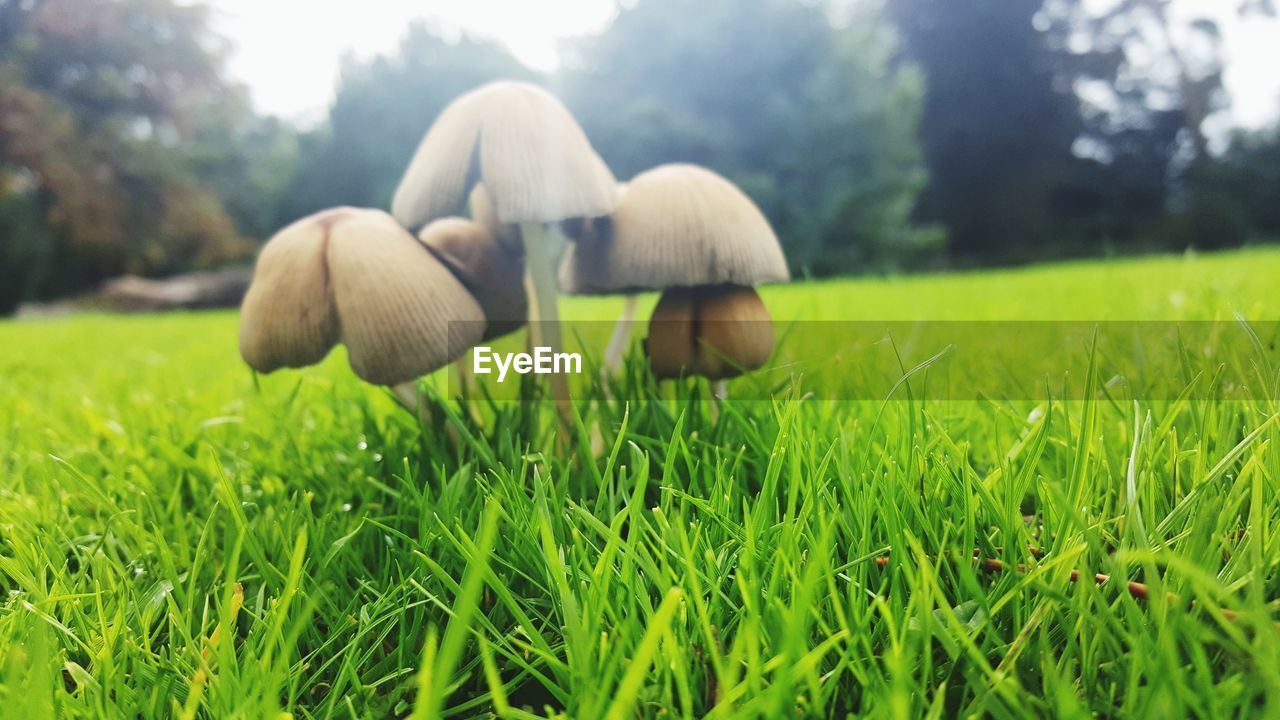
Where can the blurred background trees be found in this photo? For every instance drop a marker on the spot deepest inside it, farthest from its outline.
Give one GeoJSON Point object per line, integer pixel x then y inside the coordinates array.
{"type": "Point", "coordinates": [878, 135]}
{"type": "Point", "coordinates": [803, 109]}
{"type": "Point", "coordinates": [1000, 119]}
{"type": "Point", "coordinates": [116, 131]}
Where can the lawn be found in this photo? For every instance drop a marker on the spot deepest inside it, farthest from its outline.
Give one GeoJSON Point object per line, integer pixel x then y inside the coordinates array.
{"type": "Point", "coordinates": [181, 539]}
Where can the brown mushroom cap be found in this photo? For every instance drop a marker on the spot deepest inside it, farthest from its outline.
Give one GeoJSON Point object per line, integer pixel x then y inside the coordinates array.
{"type": "Point", "coordinates": [676, 226]}
{"type": "Point", "coordinates": [355, 276]}
{"type": "Point", "coordinates": [715, 331]}
{"type": "Point", "coordinates": [672, 341]}
{"type": "Point", "coordinates": [489, 271]}
{"type": "Point", "coordinates": [522, 143]}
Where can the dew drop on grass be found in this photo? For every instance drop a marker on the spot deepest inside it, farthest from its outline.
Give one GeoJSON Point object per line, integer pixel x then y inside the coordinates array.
{"type": "Point", "coordinates": [346, 507]}
{"type": "Point", "coordinates": [362, 445]}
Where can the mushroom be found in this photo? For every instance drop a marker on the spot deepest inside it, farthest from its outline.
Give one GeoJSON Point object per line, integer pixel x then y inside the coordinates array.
{"type": "Point", "coordinates": [537, 167]}
{"type": "Point", "coordinates": [490, 273]}
{"type": "Point", "coordinates": [522, 143]}
{"type": "Point", "coordinates": [507, 235]}
{"type": "Point", "coordinates": [355, 276]}
{"type": "Point", "coordinates": [717, 331]}
{"type": "Point", "coordinates": [691, 233]}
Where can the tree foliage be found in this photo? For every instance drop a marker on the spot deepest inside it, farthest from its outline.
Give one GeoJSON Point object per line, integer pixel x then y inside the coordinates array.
{"type": "Point", "coordinates": [103, 104]}
{"type": "Point", "coordinates": [999, 122]}
{"type": "Point", "coordinates": [1061, 127]}
{"type": "Point", "coordinates": [871, 132]}
{"type": "Point", "coordinates": [1244, 183]}
{"type": "Point", "coordinates": [382, 109]}
{"type": "Point", "coordinates": [799, 107]}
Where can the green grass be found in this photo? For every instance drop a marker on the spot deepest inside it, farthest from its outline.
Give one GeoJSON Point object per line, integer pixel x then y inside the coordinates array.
{"type": "Point", "coordinates": [177, 540]}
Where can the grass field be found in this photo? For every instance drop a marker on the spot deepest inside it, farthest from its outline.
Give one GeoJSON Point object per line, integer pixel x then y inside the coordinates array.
{"type": "Point", "coordinates": [180, 540]}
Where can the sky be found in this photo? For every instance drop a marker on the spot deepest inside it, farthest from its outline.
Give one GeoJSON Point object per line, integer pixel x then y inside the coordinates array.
{"type": "Point", "coordinates": [289, 51]}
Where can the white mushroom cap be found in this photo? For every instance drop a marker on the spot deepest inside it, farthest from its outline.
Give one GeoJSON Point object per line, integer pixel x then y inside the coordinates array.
{"type": "Point", "coordinates": [355, 276]}
{"type": "Point", "coordinates": [676, 226]}
{"type": "Point", "coordinates": [522, 143]}
{"type": "Point", "coordinates": [492, 274]}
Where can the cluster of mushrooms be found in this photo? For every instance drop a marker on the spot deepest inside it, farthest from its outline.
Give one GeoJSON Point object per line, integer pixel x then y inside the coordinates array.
{"type": "Point", "coordinates": [513, 155]}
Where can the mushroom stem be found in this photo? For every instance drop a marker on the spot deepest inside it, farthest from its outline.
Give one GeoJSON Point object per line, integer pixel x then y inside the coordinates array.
{"type": "Point", "coordinates": [621, 337]}
{"type": "Point", "coordinates": [462, 368]}
{"type": "Point", "coordinates": [407, 393]}
{"type": "Point", "coordinates": [542, 248]}
{"type": "Point", "coordinates": [466, 384]}
{"type": "Point", "coordinates": [719, 393]}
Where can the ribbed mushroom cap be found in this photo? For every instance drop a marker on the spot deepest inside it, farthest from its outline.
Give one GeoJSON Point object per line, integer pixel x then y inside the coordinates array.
{"type": "Point", "coordinates": [522, 143]}
{"type": "Point", "coordinates": [403, 313]}
{"type": "Point", "coordinates": [489, 272]}
{"type": "Point", "coordinates": [287, 317]}
{"type": "Point", "coordinates": [355, 276]}
{"type": "Point", "coordinates": [715, 331]}
{"type": "Point", "coordinates": [676, 226]}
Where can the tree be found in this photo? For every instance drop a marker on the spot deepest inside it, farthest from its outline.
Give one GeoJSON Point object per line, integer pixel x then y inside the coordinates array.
{"type": "Point", "coordinates": [97, 98]}
{"type": "Point", "coordinates": [381, 111]}
{"type": "Point", "coordinates": [1160, 71]}
{"type": "Point", "coordinates": [801, 109]}
{"type": "Point", "coordinates": [1000, 120]}
{"type": "Point", "coordinates": [1247, 178]}
{"type": "Point", "coordinates": [250, 163]}
{"type": "Point", "coordinates": [1150, 83]}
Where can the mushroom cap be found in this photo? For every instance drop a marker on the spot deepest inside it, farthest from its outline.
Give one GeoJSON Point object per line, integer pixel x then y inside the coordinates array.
{"type": "Point", "coordinates": [671, 342]}
{"type": "Point", "coordinates": [355, 276]}
{"type": "Point", "coordinates": [715, 331]}
{"type": "Point", "coordinates": [287, 317]}
{"type": "Point", "coordinates": [522, 143]}
{"type": "Point", "coordinates": [676, 226]}
{"type": "Point", "coordinates": [489, 271]}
